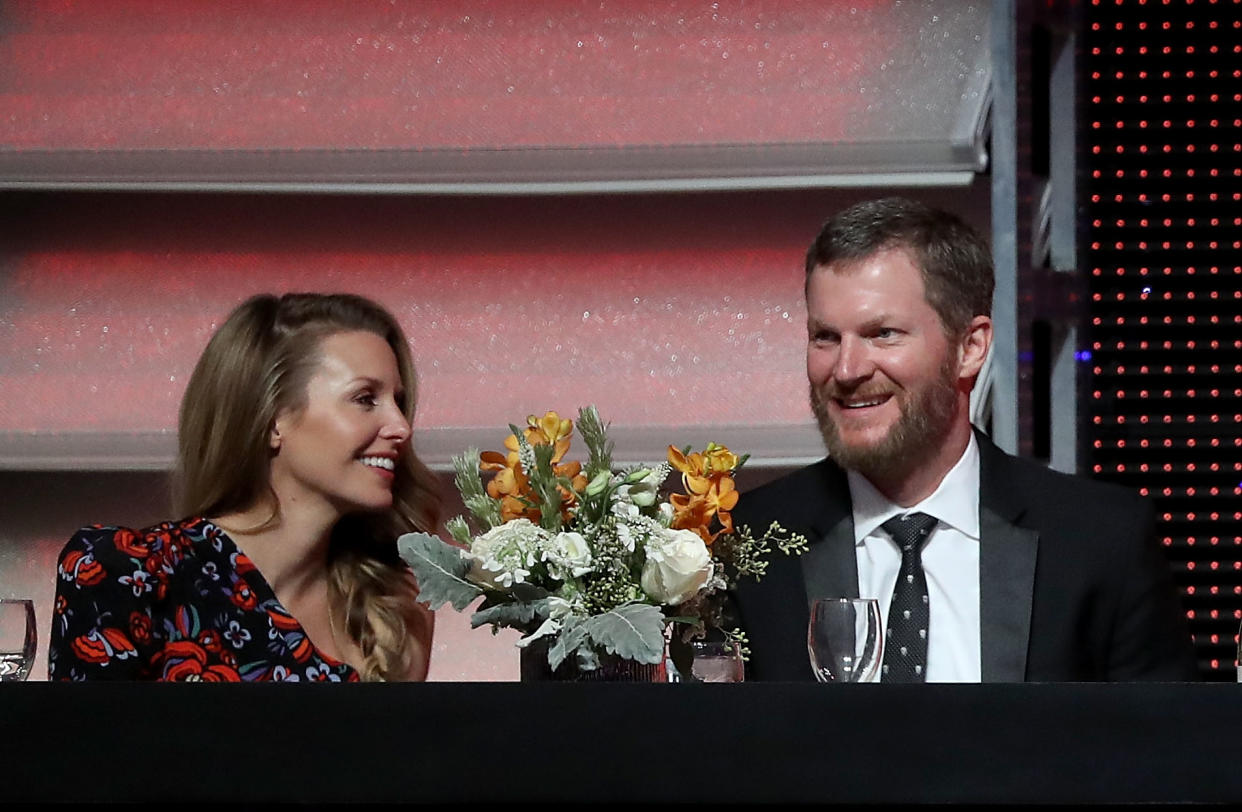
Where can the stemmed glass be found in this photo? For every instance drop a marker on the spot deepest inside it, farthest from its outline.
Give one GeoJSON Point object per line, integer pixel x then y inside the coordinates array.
{"type": "Point", "coordinates": [17, 639]}
{"type": "Point", "coordinates": [845, 641]}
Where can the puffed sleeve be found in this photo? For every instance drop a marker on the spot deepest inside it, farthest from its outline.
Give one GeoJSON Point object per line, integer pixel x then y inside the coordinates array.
{"type": "Point", "coordinates": [101, 621]}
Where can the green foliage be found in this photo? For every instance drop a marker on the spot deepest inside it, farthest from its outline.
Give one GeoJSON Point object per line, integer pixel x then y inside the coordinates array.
{"type": "Point", "coordinates": [572, 637]}
{"type": "Point", "coordinates": [440, 571]}
{"type": "Point", "coordinates": [634, 631]}
{"type": "Point", "coordinates": [470, 485]}
{"type": "Point", "coordinates": [543, 482]}
{"type": "Point", "coordinates": [595, 436]}
{"type": "Point", "coordinates": [516, 615]}
{"type": "Point", "coordinates": [459, 530]}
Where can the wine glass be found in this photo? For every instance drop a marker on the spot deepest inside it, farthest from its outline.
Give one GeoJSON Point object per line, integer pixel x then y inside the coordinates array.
{"type": "Point", "coordinates": [844, 640]}
{"type": "Point", "coordinates": [17, 639]}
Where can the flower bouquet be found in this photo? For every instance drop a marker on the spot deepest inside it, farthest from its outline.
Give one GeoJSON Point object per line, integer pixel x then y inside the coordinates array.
{"type": "Point", "coordinates": [593, 560]}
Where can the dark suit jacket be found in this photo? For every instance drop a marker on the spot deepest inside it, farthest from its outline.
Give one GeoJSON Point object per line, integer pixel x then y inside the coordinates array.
{"type": "Point", "coordinates": [1073, 584]}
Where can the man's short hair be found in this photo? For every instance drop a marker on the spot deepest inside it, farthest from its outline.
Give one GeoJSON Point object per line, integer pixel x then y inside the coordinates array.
{"type": "Point", "coordinates": [955, 261]}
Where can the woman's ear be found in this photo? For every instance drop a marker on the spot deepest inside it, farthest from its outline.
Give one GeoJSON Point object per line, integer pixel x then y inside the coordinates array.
{"type": "Point", "coordinates": [273, 436]}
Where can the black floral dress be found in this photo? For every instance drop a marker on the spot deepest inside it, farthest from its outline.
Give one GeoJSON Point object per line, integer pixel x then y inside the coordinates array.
{"type": "Point", "coordinates": [177, 601]}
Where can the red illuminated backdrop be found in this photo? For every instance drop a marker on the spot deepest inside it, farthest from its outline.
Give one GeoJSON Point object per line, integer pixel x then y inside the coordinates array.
{"type": "Point", "coordinates": [664, 311]}
{"type": "Point", "coordinates": [308, 74]}
{"type": "Point", "coordinates": [486, 92]}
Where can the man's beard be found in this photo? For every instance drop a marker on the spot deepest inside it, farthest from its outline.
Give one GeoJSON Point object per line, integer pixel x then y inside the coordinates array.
{"type": "Point", "coordinates": [924, 423]}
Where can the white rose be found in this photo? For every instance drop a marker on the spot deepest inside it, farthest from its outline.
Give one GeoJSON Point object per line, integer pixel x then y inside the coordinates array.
{"type": "Point", "coordinates": [570, 551]}
{"type": "Point", "coordinates": [678, 565]}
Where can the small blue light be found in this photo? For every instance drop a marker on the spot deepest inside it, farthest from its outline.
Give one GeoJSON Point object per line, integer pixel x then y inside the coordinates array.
{"type": "Point", "coordinates": [1026, 357]}
{"type": "Point", "coordinates": [1082, 355]}
{"type": "Point", "coordinates": [1147, 291]}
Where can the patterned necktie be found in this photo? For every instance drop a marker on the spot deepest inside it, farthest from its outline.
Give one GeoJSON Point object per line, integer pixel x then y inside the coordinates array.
{"type": "Point", "coordinates": [905, 643]}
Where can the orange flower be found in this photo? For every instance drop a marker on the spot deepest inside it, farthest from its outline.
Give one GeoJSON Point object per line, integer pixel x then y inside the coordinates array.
{"type": "Point", "coordinates": [511, 483]}
{"type": "Point", "coordinates": [513, 507]}
{"type": "Point", "coordinates": [710, 490]}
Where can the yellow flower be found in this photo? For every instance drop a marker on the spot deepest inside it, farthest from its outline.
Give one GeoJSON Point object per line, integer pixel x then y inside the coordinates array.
{"type": "Point", "coordinates": [715, 459]}
{"type": "Point", "coordinates": [719, 459]}
{"type": "Point", "coordinates": [551, 425]}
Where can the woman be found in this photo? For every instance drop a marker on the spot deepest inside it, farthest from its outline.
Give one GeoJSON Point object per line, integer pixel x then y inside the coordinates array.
{"type": "Point", "coordinates": [296, 475]}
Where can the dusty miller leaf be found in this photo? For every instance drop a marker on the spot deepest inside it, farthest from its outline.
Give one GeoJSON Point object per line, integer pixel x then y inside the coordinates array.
{"type": "Point", "coordinates": [633, 631]}
{"type": "Point", "coordinates": [517, 615]}
{"type": "Point", "coordinates": [440, 571]}
{"type": "Point", "coordinates": [573, 634]}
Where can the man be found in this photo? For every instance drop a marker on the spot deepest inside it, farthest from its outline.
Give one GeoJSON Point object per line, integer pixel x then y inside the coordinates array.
{"type": "Point", "coordinates": [992, 568]}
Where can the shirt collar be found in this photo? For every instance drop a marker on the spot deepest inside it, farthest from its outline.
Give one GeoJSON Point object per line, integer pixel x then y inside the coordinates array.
{"type": "Point", "coordinates": [955, 502]}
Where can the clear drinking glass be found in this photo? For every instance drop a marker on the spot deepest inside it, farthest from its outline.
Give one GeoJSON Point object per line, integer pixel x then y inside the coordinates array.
{"type": "Point", "coordinates": [17, 639]}
{"type": "Point", "coordinates": [716, 661]}
{"type": "Point", "coordinates": [845, 641]}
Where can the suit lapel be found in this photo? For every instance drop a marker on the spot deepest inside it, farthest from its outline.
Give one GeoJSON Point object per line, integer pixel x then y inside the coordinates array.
{"type": "Point", "coordinates": [830, 568]}
{"type": "Point", "coordinates": [1007, 555]}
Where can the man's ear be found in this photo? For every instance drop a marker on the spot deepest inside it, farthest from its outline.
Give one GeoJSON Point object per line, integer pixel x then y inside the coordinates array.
{"type": "Point", "coordinates": [973, 349]}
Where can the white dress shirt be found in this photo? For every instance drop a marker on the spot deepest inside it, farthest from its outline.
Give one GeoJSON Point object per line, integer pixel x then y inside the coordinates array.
{"type": "Point", "coordinates": [950, 562]}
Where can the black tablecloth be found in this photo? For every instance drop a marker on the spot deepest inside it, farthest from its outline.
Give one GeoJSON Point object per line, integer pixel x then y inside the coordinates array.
{"type": "Point", "coordinates": [515, 742]}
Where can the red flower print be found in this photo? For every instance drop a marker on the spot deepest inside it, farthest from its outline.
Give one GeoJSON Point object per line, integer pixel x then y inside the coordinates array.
{"type": "Point", "coordinates": [211, 641]}
{"type": "Point", "coordinates": [243, 596]}
{"type": "Point", "coordinates": [282, 620]}
{"type": "Point", "coordinates": [183, 659]}
{"type": "Point", "coordinates": [242, 564]}
{"type": "Point", "coordinates": [140, 626]}
{"type": "Point", "coordinates": [178, 606]}
{"type": "Point", "coordinates": [185, 620]}
{"type": "Point", "coordinates": [129, 543]}
{"type": "Point", "coordinates": [220, 673]}
{"type": "Point", "coordinates": [101, 645]}
{"type": "Point", "coordinates": [82, 569]}
{"type": "Point", "coordinates": [301, 648]}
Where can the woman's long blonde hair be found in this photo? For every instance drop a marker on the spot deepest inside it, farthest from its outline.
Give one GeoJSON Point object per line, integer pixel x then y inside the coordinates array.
{"type": "Point", "coordinates": [256, 366]}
